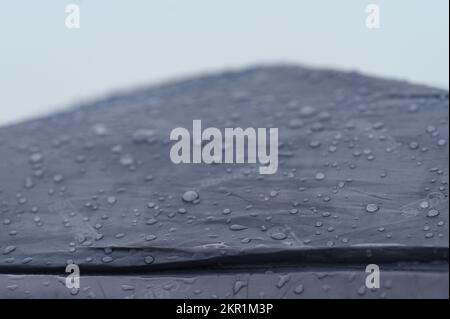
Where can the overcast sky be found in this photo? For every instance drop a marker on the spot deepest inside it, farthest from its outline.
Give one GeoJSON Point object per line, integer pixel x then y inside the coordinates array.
{"type": "Point", "coordinates": [44, 66]}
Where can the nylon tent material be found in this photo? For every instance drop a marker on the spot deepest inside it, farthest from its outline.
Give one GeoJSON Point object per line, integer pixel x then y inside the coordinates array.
{"type": "Point", "coordinates": [362, 179]}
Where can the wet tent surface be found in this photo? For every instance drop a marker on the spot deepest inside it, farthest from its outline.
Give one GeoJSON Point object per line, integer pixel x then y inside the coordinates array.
{"type": "Point", "coordinates": [362, 178]}
{"type": "Point", "coordinates": [290, 284]}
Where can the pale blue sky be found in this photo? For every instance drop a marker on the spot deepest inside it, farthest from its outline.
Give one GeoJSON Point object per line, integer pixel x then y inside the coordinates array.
{"type": "Point", "coordinates": [121, 44]}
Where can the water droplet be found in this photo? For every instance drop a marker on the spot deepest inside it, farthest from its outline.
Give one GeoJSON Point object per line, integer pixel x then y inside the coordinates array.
{"type": "Point", "coordinates": [150, 237]}
{"type": "Point", "coordinates": [283, 281]}
{"type": "Point", "coordinates": [314, 144]}
{"type": "Point", "coordinates": [58, 178]}
{"type": "Point", "coordinates": [431, 129]}
{"type": "Point", "coordinates": [117, 149]}
{"type": "Point", "coordinates": [8, 249]}
{"type": "Point", "coordinates": [433, 213]}
{"type": "Point", "coordinates": [80, 159]}
{"type": "Point", "coordinates": [12, 287]}
{"type": "Point", "coordinates": [149, 260]}
{"type": "Point", "coordinates": [361, 290]}
{"type": "Point", "coordinates": [429, 235]}
{"type": "Point", "coordinates": [278, 236]}
{"type": "Point", "coordinates": [299, 289]}
{"type": "Point", "coordinates": [238, 227]}
{"type": "Point", "coordinates": [372, 208]}
{"type": "Point", "coordinates": [28, 183]}
{"type": "Point", "coordinates": [190, 196]}
{"type": "Point", "coordinates": [107, 259]}
{"type": "Point", "coordinates": [127, 160]}
{"type": "Point", "coordinates": [100, 130]}
{"type": "Point", "coordinates": [307, 111]}
{"type": "Point", "coordinates": [424, 204]}
{"type": "Point", "coordinates": [326, 214]}
{"type": "Point", "coordinates": [350, 125]}
{"type": "Point", "coordinates": [111, 200]}
{"type": "Point", "coordinates": [127, 287]}
{"type": "Point", "coordinates": [413, 145]}
{"type": "Point", "coordinates": [442, 142]}
{"type": "Point", "coordinates": [36, 158]}
{"type": "Point", "coordinates": [295, 123]}
{"type": "Point", "coordinates": [151, 221]}
{"type": "Point", "coordinates": [324, 116]}
{"type": "Point", "coordinates": [143, 136]}
{"type": "Point", "coordinates": [320, 176]}
{"type": "Point", "coordinates": [413, 108]}
{"type": "Point", "coordinates": [378, 125]}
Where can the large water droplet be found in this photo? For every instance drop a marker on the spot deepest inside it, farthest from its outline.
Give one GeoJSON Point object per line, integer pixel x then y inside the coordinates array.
{"type": "Point", "coordinates": [190, 196]}
{"type": "Point", "coordinates": [433, 213]}
{"type": "Point", "coordinates": [372, 208]}
{"type": "Point", "coordinates": [278, 236]}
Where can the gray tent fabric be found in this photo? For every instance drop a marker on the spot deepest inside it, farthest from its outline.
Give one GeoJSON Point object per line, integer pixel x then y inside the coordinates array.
{"type": "Point", "coordinates": [362, 179]}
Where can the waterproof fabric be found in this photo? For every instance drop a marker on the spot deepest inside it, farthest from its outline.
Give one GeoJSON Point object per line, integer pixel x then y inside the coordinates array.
{"type": "Point", "coordinates": [362, 179]}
